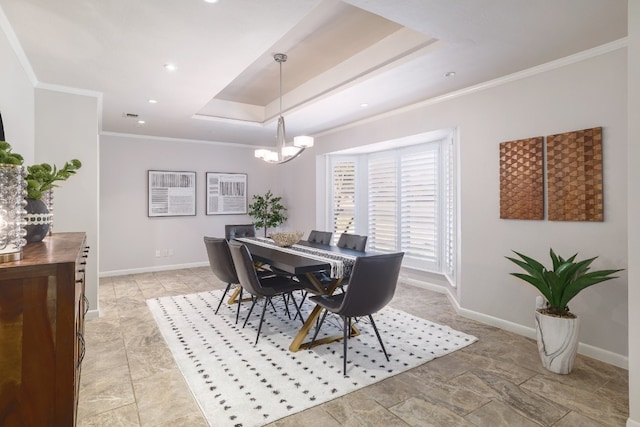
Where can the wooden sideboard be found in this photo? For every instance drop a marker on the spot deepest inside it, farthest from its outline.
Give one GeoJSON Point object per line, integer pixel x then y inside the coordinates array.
{"type": "Point", "coordinates": [42, 309]}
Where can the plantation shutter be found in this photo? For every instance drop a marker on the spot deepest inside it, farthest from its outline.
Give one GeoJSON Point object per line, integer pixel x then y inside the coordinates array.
{"type": "Point", "coordinates": [406, 199]}
{"type": "Point", "coordinates": [419, 207]}
{"type": "Point", "coordinates": [383, 203]}
{"type": "Point", "coordinates": [343, 204]}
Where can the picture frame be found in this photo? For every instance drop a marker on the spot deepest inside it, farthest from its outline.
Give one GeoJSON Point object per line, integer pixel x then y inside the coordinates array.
{"type": "Point", "coordinates": [171, 193]}
{"type": "Point", "coordinates": [226, 193]}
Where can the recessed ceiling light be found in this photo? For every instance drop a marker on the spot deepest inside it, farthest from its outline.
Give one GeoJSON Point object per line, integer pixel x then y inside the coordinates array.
{"type": "Point", "coordinates": [170, 67]}
{"type": "Point", "coordinates": [141, 122]}
{"type": "Point", "coordinates": [211, 1]}
{"type": "Point", "coordinates": [153, 101]}
{"type": "Point", "coordinates": [364, 105]}
{"type": "Point", "coordinates": [450, 74]}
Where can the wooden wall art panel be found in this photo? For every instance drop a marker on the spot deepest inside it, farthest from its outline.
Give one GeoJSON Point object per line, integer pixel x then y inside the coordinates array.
{"type": "Point", "coordinates": [521, 179]}
{"type": "Point", "coordinates": [574, 175]}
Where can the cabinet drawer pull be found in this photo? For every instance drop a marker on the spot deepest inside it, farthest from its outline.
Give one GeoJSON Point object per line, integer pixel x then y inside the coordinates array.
{"type": "Point", "coordinates": [80, 281]}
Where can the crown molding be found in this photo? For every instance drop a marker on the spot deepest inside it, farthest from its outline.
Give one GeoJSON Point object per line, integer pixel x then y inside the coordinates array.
{"type": "Point", "coordinates": [17, 47]}
{"type": "Point", "coordinates": [170, 139]}
{"type": "Point", "coordinates": [538, 69]}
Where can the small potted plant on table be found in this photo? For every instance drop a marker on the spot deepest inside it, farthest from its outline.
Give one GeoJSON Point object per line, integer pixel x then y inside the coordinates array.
{"type": "Point", "coordinates": [267, 211]}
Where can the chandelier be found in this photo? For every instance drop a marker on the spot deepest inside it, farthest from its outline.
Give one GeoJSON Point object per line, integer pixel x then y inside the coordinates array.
{"type": "Point", "coordinates": [284, 152]}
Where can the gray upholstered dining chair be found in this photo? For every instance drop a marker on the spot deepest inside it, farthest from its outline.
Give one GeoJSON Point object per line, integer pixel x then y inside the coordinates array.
{"type": "Point", "coordinates": [265, 288]}
{"type": "Point", "coordinates": [352, 241]}
{"type": "Point", "coordinates": [372, 285]}
{"type": "Point", "coordinates": [222, 266]}
{"type": "Point", "coordinates": [231, 231]}
{"type": "Point", "coordinates": [322, 237]}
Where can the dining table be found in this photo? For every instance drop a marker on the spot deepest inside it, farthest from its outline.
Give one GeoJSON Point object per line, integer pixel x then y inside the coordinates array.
{"type": "Point", "coordinates": [309, 260]}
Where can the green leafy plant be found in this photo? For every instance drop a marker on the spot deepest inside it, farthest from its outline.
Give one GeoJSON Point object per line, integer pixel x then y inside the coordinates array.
{"type": "Point", "coordinates": [43, 177]}
{"type": "Point", "coordinates": [267, 211]}
{"type": "Point", "coordinates": [7, 157]}
{"type": "Point", "coordinates": [563, 282]}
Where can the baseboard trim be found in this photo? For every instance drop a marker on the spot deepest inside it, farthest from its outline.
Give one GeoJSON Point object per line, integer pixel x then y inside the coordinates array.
{"type": "Point", "coordinates": [632, 423]}
{"type": "Point", "coordinates": [92, 314]}
{"type": "Point", "coordinates": [584, 349]}
{"type": "Point", "coordinates": [153, 269]}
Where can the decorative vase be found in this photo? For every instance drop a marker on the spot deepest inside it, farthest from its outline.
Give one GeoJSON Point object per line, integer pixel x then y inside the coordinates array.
{"type": "Point", "coordinates": [557, 342]}
{"type": "Point", "coordinates": [12, 192]}
{"type": "Point", "coordinates": [47, 198]}
{"type": "Point", "coordinates": [38, 219]}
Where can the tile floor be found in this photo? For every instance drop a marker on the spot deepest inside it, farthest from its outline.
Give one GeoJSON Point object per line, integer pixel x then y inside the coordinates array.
{"type": "Point", "coordinates": [129, 377]}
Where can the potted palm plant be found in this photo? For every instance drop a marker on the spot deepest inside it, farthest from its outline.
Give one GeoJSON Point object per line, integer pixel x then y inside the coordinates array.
{"type": "Point", "coordinates": [556, 326]}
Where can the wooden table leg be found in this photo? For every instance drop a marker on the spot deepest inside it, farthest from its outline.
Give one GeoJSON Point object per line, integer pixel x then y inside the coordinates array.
{"type": "Point", "coordinates": [233, 299]}
{"type": "Point", "coordinates": [297, 343]}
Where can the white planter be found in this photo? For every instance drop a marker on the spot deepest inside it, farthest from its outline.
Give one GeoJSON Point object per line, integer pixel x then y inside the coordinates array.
{"type": "Point", "coordinates": [557, 342]}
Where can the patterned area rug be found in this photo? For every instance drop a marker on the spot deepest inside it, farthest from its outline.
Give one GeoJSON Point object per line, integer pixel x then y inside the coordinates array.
{"type": "Point", "coordinates": [239, 384]}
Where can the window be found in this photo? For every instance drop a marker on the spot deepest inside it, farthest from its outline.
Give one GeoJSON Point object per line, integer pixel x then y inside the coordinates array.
{"type": "Point", "coordinates": [419, 175]}
{"type": "Point", "coordinates": [343, 200]}
{"type": "Point", "coordinates": [383, 204]}
{"type": "Point", "coordinates": [409, 194]}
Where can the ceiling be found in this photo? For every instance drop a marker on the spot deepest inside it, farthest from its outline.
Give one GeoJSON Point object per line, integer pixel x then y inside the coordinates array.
{"type": "Point", "coordinates": [341, 54]}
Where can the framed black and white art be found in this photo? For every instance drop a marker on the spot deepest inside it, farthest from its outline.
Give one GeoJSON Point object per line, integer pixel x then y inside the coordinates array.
{"type": "Point", "coordinates": [172, 193]}
{"type": "Point", "coordinates": [226, 193]}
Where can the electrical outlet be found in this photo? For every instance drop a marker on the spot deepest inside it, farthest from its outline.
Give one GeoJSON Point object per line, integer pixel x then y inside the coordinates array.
{"type": "Point", "coordinates": [170, 252]}
{"type": "Point", "coordinates": [158, 253]}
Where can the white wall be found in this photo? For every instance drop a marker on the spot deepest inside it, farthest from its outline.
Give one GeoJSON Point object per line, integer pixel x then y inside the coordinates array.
{"type": "Point", "coordinates": [583, 95]}
{"type": "Point", "coordinates": [53, 127]}
{"type": "Point", "coordinates": [16, 97]}
{"type": "Point", "coordinates": [634, 212]}
{"type": "Point", "coordinates": [66, 127]}
{"type": "Point", "coordinates": [580, 95]}
{"type": "Point", "coordinates": [129, 238]}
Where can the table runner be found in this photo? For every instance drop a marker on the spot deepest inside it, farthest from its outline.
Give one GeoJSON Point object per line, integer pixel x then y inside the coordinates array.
{"type": "Point", "coordinates": [341, 264]}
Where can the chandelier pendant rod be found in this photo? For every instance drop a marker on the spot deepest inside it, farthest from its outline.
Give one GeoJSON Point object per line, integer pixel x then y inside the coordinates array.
{"type": "Point", "coordinates": [279, 156]}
